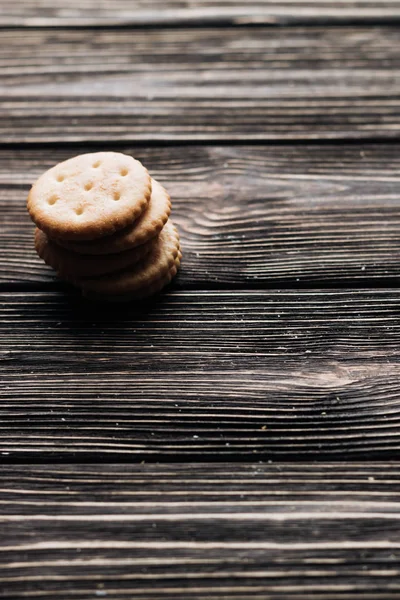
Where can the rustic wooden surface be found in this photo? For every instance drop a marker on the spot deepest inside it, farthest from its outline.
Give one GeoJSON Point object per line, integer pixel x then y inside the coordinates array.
{"type": "Point", "coordinates": [201, 531]}
{"type": "Point", "coordinates": [200, 84]}
{"type": "Point", "coordinates": [183, 448]}
{"type": "Point", "coordinates": [214, 374]}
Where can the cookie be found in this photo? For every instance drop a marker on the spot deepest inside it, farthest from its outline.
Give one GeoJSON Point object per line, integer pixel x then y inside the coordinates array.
{"type": "Point", "coordinates": [157, 264]}
{"type": "Point", "coordinates": [90, 196]}
{"type": "Point", "coordinates": [141, 293]}
{"type": "Point", "coordinates": [71, 264]}
{"type": "Point", "coordinates": [147, 226]}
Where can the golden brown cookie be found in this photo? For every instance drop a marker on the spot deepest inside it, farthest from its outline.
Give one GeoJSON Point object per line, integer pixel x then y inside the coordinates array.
{"type": "Point", "coordinates": [141, 293]}
{"type": "Point", "coordinates": [147, 226]}
{"type": "Point", "coordinates": [71, 264]}
{"type": "Point", "coordinates": [153, 268]}
{"type": "Point", "coordinates": [89, 196]}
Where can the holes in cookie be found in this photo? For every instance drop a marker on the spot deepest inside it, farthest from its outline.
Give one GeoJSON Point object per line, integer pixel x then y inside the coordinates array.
{"type": "Point", "coordinates": [88, 186]}
{"type": "Point", "coordinates": [52, 200]}
{"type": "Point", "coordinates": [96, 164]}
{"type": "Point", "coordinates": [79, 210]}
{"type": "Point", "coordinates": [117, 196]}
{"type": "Point", "coordinates": [124, 172]}
{"type": "Point", "coordinates": [60, 177]}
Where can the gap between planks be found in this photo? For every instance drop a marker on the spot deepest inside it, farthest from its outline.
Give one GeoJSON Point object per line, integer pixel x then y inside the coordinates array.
{"type": "Point", "coordinates": [232, 13]}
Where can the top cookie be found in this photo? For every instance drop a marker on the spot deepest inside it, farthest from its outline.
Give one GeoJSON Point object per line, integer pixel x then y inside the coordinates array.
{"type": "Point", "coordinates": [90, 196]}
{"type": "Point", "coordinates": [146, 227]}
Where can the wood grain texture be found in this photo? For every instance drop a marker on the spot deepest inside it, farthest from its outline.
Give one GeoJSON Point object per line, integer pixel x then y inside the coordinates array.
{"type": "Point", "coordinates": [81, 13]}
{"type": "Point", "coordinates": [261, 216]}
{"type": "Point", "coordinates": [201, 531]}
{"type": "Point", "coordinates": [199, 84]}
{"type": "Point", "coordinates": [201, 374]}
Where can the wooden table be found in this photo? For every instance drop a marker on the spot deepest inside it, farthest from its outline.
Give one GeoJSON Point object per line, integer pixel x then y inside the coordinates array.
{"type": "Point", "coordinates": [237, 437]}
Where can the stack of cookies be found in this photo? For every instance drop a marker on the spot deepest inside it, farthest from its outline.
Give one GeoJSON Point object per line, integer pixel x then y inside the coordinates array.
{"type": "Point", "coordinates": [103, 225]}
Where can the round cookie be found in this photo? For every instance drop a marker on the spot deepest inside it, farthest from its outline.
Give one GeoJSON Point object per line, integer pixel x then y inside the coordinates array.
{"type": "Point", "coordinates": [154, 267]}
{"type": "Point", "coordinates": [147, 226]}
{"type": "Point", "coordinates": [89, 196]}
{"type": "Point", "coordinates": [141, 293]}
{"type": "Point", "coordinates": [71, 264]}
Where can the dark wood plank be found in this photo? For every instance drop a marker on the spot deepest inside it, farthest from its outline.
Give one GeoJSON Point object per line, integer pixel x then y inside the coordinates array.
{"type": "Point", "coordinates": [81, 13]}
{"type": "Point", "coordinates": [201, 374]}
{"type": "Point", "coordinates": [247, 216]}
{"type": "Point", "coordinates": [199, 84]}
{"type": "Point", "coordinates": [201, 531]}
